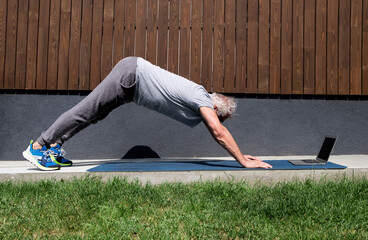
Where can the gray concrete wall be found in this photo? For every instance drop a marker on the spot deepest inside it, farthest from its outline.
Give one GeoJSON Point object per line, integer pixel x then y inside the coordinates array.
{"type": "Point", "coordinates": [261, 127]}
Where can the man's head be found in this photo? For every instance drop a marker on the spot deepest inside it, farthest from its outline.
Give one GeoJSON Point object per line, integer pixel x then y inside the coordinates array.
{"type": "Point", "coordinates": [224, 106]}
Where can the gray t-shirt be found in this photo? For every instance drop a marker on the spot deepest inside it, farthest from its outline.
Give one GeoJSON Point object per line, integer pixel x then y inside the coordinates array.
{"type": "Point", "coordinates": [169, 94]}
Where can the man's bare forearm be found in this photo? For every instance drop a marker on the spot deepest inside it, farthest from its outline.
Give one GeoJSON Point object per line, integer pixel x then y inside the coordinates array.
{"type": "Point", "coordinates": [226, 140]}
{"type": "Point", "coordinates": [222, 136]}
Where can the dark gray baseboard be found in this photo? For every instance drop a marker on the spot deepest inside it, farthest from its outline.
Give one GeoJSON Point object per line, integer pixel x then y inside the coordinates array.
{"type": "Point", "coordinates": [266, 126]}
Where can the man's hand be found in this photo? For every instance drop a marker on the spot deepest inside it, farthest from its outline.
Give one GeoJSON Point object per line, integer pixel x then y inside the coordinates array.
{"type": "Point", "coordinates": [254, 162]}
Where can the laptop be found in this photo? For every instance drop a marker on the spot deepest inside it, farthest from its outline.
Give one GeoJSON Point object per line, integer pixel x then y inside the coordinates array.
{"type": "Point", "coordinates": [323, 154]}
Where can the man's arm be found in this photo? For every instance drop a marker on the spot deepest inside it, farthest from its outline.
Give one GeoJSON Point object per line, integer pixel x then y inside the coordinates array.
{"type": "Point", "coordinates": [225, 139]}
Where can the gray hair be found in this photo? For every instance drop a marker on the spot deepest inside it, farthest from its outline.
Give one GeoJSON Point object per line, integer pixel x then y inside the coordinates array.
{"type": "Point", "coordinates": [225, 105]}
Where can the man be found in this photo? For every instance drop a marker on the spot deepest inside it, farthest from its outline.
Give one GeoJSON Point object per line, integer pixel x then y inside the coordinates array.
{"type": "Point", "coordinates": [135, 79]}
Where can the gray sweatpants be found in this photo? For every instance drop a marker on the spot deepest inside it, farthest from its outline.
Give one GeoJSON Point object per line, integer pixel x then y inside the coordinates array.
{"type": "Point", "coordinates": [116, 89]}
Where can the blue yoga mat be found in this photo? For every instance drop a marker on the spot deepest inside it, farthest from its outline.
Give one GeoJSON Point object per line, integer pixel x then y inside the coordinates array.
{"type": "Point", "coordinates": [209, 165]}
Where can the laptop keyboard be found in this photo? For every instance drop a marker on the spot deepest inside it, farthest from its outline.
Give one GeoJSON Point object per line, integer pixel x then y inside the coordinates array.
{"type": "Point", "coordinates": [310, 161]}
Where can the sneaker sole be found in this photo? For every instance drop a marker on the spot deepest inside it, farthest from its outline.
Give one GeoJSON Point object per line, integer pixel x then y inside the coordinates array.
{"type": "Point", "coordinates": [34, 161]}
{"type": "Point", "coordinates": [63, 164]}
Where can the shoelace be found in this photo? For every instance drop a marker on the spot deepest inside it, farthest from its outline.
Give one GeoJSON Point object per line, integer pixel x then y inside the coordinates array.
{"type": "Point", "coordinates": [47, 155]}
{"type": "Point", "coordinates": [62, 152]}
{"type": "Point", "coordinates": [59, 152]}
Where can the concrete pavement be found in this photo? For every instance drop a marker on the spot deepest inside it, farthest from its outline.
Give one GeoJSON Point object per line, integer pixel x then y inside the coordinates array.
{"type": "Point", "coordinates": [357, 166]}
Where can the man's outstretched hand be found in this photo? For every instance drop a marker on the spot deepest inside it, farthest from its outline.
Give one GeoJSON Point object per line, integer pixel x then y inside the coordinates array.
{"type": "Point", "coordinates": [226, 140]}
{"type": "Point", "coordinates": [254, 162]}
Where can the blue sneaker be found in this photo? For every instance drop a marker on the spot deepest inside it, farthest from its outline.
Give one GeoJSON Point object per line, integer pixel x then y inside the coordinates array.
{"type": "Point", "coordinates": [41, 158]}
{"type": "Point", "coordinates": [59, 154]}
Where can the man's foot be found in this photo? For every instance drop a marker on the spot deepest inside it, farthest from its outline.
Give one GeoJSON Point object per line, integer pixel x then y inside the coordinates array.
{"type": "Point", "coordinates": [59, 154]}
{"type": "Point", "coordinates": [41, 158]}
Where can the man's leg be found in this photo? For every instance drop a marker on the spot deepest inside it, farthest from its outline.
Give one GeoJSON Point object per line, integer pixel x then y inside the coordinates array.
{"type": "Point", "coordinates": [108, 95]}
{"type": "Point", "coordinates": [92, 108]}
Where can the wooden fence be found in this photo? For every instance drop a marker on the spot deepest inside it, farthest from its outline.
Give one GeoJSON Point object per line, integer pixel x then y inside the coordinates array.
{"type": "Point", "coordinates": [233, 46]}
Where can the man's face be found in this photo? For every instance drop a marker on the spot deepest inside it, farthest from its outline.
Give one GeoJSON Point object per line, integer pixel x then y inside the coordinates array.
{"type": "Point", "coordinates": [223, 118]}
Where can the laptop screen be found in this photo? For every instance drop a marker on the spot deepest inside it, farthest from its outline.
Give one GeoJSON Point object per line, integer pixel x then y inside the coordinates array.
{"type": "Point", "coordinates": [326, 148]}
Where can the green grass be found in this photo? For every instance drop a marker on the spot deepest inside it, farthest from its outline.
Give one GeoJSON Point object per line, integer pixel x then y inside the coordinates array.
{"type": "Point", "coordinates": [90, 208]}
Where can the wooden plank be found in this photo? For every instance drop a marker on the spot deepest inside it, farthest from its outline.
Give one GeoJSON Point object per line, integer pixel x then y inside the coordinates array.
{"type": "Point", "coordinates": [140, 46]}
{"type": "Point", "coordinates": [195, 59]}
{"type": "Point", "coordinates": [310, 46]}
{"type": "Point", "coordinates": [32, 44]}
{"type": "Point", "coordinates": [85, 46]}
{"type": "Point", "coordinates": [286, 46]}
{"type": "Point", "coordinates": [173, 65]}
{"type": "Point", "coordinates": [332, 46]}
{"type": "Point", "coordinates": [11, 41]}
{"type": "Point", "coordinates": [43, 36]}
{"type": "Point", "coordinates": [75, 33]}
{"type": "Point", "coordinates": [21, 64]}
{"type": "Point", "coordinates": [241, 46]}
{"type": "Point", "coordinates": [321, 48]}
{"type": "Point", "coordinates": [107, 38]}
{"type": "Point", "coordinates": [52, 66]}
{"type": "Point", "coordinates": [275, 46]}
{"type": "Point", "coordinates": [207, 35]}
{"type": "Point", "coordinates": [152, 31]}
{"type": "Point", "coordinates": [63, 65]}
{"type": "Point", "coordinates": [264, 47]}
{"type": "Point", "coordinates": [356, 47]}
{"type": "Point", "coordinates": [129, 28]}
{"type": "Point", "coordinates": [119, 19]}
{"type": "Point", "coordinates": [298, 71]}
{"type": "Point", "coordinates": [365, 49]}
{"type": "Point", "coordinates": [229, 50]}
{"type": "Point", "coordinates": [344, 43]}
{"type": "Point", "coordinates": [3, 10]}
{"type": "Point", "coordinates": [252, 66]}
{"type": "Point", "coordinates": [218, 46]}
{"type": "Point", "coordinates": [96, 45]}
{"type": "Point", "coordinates": [184, 39]}
{"type": "Point", "coordinates": [163, 24]}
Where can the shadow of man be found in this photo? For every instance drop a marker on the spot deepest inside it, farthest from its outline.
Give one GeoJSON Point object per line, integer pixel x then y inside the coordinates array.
{"type": "Point", "coordinates": [140, 151]}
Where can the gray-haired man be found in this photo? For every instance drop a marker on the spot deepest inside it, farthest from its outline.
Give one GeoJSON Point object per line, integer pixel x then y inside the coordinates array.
{"type": "Point", "coordinates": [135, 79]}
